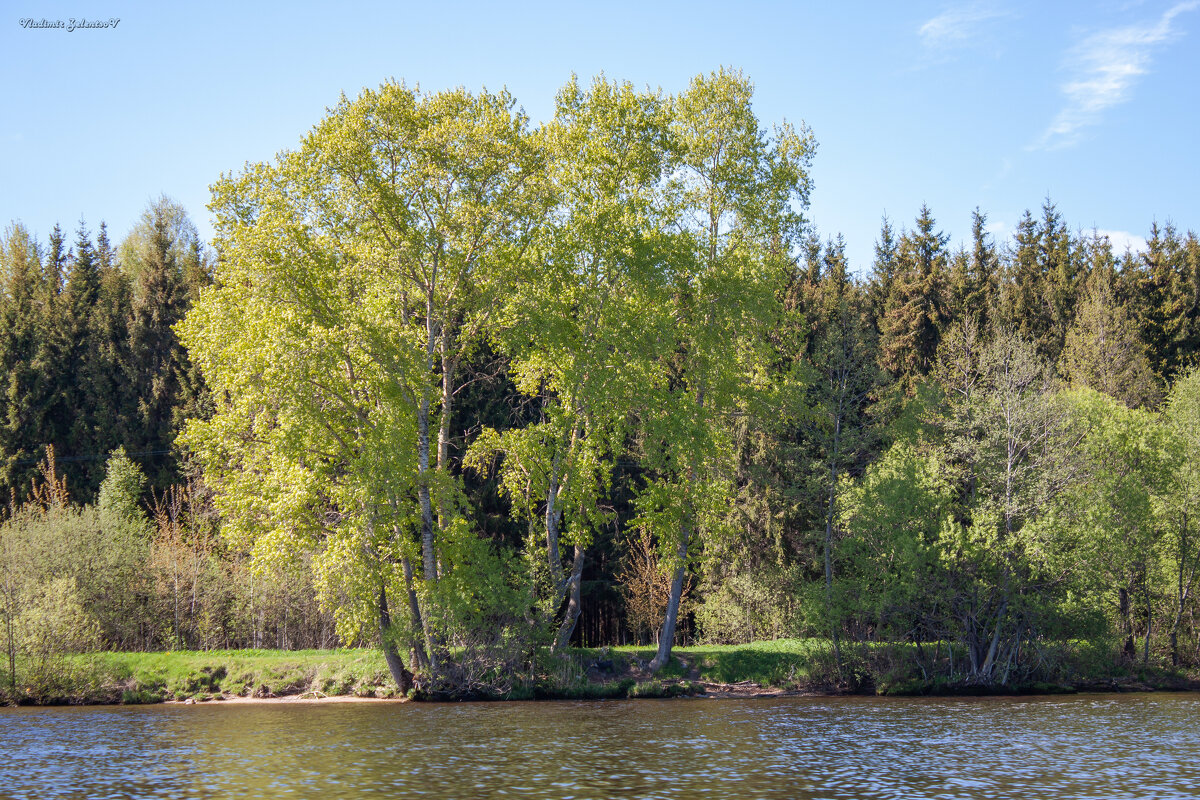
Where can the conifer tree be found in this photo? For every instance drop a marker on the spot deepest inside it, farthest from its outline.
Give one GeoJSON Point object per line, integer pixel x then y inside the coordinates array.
{"type": "Point", "coordinates": [1191, 249]}
{"type": "Point", "coordinates": [54, 267]}
{"type": "Point", "coordinates": [160, 363]}
{"type": "Point", "coordinates": [984, 271]}
{"type": "Point", "coordinates": [1027, 311]}
{"type": "Point", "coordinates": [960, 288]}
{"type": "Point", "coordinates": [883, 273]}
{"type": "Point", "coordinates": [915, 310]}
{"type": "Point", "coordinates": [1063, 280]}
{"type": "Point", "coordinates": [106, 381]}
{"type": "Point", "coordinates": [23, 318]}
{"type": "Point", "coordinates": [1103, 351]}
{"type": "Point", "coordinates": [1162, 300]}
{"type": "Point", "coordinates": [73, 428]}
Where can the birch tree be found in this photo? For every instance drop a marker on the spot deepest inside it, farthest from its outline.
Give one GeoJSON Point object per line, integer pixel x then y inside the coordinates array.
{"type": "Point", "coordinates": [581, 335]}
{"type": "Point", "coordinates": [737, 194]}
{"type": "Point", "coordinates": [355, 274]}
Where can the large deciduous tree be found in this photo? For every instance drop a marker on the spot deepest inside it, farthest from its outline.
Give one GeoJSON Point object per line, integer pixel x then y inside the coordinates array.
{"type": "Point", "coordinates": [356, 274]}
{"type": "Point", "coordinates": [583, 333]}
{"type": "Point", "coordinates": [736, 194]}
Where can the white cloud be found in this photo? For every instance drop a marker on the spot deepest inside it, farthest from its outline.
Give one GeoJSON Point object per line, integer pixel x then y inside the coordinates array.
{"type": "Point", "coordinates": [1104, 68]}
{"type": "Point", "coordinates": [958, 26]}
{"type": "Point", "coordinates": [1123, 240]}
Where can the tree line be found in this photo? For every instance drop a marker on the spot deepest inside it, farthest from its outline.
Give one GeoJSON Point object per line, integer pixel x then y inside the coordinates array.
{"type": "Point", "coordinates": [107, 536]}
{"type": "Point", "coordinates": [486, 388]}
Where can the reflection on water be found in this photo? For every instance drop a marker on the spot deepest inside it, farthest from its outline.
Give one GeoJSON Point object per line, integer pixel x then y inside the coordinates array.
{"type": "Point", "coordinates": [1098, 746]}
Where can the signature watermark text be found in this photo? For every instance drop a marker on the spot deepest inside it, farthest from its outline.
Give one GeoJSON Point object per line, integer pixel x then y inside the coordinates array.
{"type": "Point", "coordinates": [68, 25]}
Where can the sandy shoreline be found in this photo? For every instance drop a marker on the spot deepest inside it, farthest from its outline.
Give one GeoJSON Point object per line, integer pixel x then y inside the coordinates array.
{"type": "Point", "coordinates": [712, 691]}
{"type": "Point", "coordinates": [308, 698]}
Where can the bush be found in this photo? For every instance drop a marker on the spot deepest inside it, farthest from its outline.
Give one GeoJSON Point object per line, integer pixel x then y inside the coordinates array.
{"type": "Point", "coordinates": [52, 626]}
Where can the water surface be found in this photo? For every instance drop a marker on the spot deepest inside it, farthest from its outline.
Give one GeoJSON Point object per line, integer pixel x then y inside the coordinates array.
{"type": "Point", "coordinates": [1085, 746]}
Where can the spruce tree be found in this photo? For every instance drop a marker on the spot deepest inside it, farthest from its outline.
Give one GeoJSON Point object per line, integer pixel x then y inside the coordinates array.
{"type": "Point", "coordinates": [111, 377]}
{"type": "Point", "coordinates": [1103, 351]}
{"type": "Point", "coordinates": [1060, 267]}
{"type": "Point", "coordinates": [960, 288]}
{"type": "Point", "coordinates": [55, 266]}
{"type": "Point", "coordinates": [73, 428]}
{"type": "Point", "coordinates": [161, 369]}
{"type": "Point", "coordinates": [985, 273]}
{"type": "Point", "coordinates": [23, 318]}
{"type": "Point", "coordinates": [1027, 311]}
{"type": "Point", "coordinates": [915, 310]}
{"type": "Point", "coordinates": [1163, 301]}
{"type": "Point", "coordinates": [883, 274]}
{"type": "Point", "coordinates": [1191, 340]}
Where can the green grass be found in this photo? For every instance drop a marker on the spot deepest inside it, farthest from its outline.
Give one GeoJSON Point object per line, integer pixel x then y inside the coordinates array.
{"type": "Point", "coordinates": [806, 664]}
{"type": "Point", "coordinates": [148, 677]}
{"type": "Point", "coordinates": [781, 663]}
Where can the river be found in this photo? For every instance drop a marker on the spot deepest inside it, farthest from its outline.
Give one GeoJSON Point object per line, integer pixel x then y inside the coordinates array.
{"type": "Point", "coordinates": [1083, 746]}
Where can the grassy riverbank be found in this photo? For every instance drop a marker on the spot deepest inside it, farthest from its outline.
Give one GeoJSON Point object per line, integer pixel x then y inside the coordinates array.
{"type": "Point", "coordinates": [783, 666]}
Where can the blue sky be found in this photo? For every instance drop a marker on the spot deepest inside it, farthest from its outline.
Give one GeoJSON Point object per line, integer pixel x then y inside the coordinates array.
{"type": "Point", "coordinates": [958, 105]}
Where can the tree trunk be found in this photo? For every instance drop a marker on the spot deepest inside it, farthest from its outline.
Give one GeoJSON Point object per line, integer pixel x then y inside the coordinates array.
{"type": "Point", "coordinates": [837, 648]}
{"type": "Point", "coordinates": [666, 638]}
{"type": "Point", "coordinates": [553, 515]}
{"type": "Point", "coordinates": [443, 443]}
{"type": "Point", "coordinates": [400, 675]}
{"type": "Point", "coordinates": [989, 662]}
{"type": "Point", "coordinates": [1124, 606]}
{"type": "Point", "coordinates": [571, 617]}
{"type": "Point", "coordinates": [558, 484]}
{"type": "Point", "coordinates": [1149, 623]}
{"type": "Point", "coordinates": [420, 653]}
{"type": "Point", "coordinates": [428, 556]}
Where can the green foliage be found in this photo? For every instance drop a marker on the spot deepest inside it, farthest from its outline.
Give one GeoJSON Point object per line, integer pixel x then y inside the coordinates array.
{"type": "Point", "coordinates": [1103, 351]}
{"type": "Point", "coordinates": [441, 345]}
{"type": "Point", "coordinates": [749, 605]}
{"type": "Point", "coordinates": [52, 625]}
{"type": "Point", "coordinates": [915, 308]}
{"type": "Point", "coordinates": [121, 491]}
{"type": "Point", "coordinates": [894, 521]}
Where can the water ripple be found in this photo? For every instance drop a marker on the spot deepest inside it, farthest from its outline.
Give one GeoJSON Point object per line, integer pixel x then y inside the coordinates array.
{"type": "Point", "coordinates": [1108, 747]}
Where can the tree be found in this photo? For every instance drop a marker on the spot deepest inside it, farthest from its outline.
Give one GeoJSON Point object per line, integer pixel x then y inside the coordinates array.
{"type": "Point", "coordinates": [1128, 460]}
{"type": "Point", "coordinates": [973, 288]}
{"type": "Point", "coordinates": [356, 273]}
{"type": "Point", "coordinates": [161, 374]}
{"type": "Point", "coordinates": [1161, 301]}
{"type": "Point", "coordinates": [883, 274]}
{"type": "Point", "coordinates": [1005, 432]}
{"type": "Point", "coordinates": [161, 219]}
{"type": "Point", "coordinates": [1103, 350]}
{"type": "Point", "coordinates": [915, 309]}
{"type": "Point", "coordinates": [24, 357]}
{"type": "Point", "coordinates": [109, 380]}
{"type": "Point", "coordinates": [737, 196]}
{"type": "Point", "coordinates": [1061, 267]}
{"type": "Point", "coordinates": [72, 426]}
{"type": "Point", "coordinates": [846, 377]}
{"type": "Point", "coordinates": [121, 492]}
{"type": "Point", "coordinates": [892, 518]}
{"type": "Point", "coordinates": [1027, 312]}
{"type": "Point", "coordinates": [1180, 504]}
{"type": "Point", "coordinates": [581, 334]}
